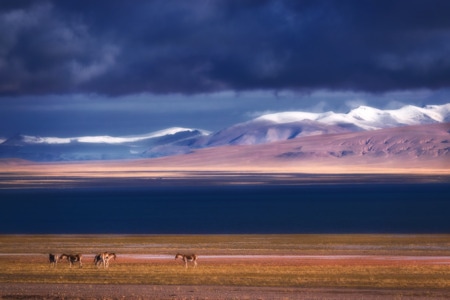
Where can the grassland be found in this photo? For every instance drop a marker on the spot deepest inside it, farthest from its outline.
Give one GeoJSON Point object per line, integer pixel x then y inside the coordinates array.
{"type": "Point", "coordinates": [252, 244]}
{"type": "Point", "coordinates": [237, 274]}
{"type": "Point", "coordinates": [307, 261]}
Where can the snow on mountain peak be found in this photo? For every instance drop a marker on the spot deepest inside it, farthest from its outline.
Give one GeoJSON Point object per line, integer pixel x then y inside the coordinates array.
{"type": "Point", "coordinates": [106, 139]}
{"type": "Point", "coordinates": [366, 113]}
{"type": "Point", "coordinates": [28, 139]}
{"type": "Point", "coordinates": [442, 112]}
{"type": "Point", "coordinates": [176, 140]}
{"type": "Point", "coordinates": [288, 117]}
{"type": "Point", "coordinates": [369, 118]}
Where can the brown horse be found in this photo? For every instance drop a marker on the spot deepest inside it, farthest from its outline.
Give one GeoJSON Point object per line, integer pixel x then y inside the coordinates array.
{"type": "Point", "coordinates": [187, 258]}
{"type": "Point", "coordinates": [104, 258]}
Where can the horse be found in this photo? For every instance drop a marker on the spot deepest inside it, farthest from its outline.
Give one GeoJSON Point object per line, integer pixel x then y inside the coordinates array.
{"type": "Point", "coordinates": [187, 258]}
{"type": "Point", "coordinates": [103, 258]}
{"type": "Point", "coordinates": [72, 258]}
{"type": "Point", "coordinates": [53, 259]}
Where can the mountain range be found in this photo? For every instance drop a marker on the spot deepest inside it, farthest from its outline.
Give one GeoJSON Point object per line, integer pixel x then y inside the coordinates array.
{"type": "Point", "coordinates": [405, 149]}
{"type": "Point", "coordinates": [270, 130]}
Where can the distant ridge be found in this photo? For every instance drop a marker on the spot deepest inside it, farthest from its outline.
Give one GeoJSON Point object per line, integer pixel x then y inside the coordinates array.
{"type": "Point", "coordinates": [265, 129]}
{"type": "Point", "coordinates": [93, 147]}
{"type": "Point", "coordinates": [288, 125]}
{"type": "Point", "coordinates": [102, 139]}
{"type": "Point", "coordinates": [369, 118]}
{"type": "Point", "coordinates": [415, 147]}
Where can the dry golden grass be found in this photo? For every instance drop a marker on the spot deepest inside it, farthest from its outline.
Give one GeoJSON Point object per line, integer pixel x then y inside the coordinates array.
{"type": "Point", "coordinates": [278, 244]}
{"type": "Point", "coordinates": [234, 274]}
{"type": "Point", "coordinates": [23, 259]}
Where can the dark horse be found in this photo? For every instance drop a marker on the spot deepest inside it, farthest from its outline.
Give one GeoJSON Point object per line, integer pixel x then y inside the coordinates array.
{"type": "Point", "coordinates": [53, 259]}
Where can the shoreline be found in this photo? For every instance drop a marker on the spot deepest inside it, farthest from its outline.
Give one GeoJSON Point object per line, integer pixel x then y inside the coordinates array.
{"type": "Point", "coordinates": [26, 180]}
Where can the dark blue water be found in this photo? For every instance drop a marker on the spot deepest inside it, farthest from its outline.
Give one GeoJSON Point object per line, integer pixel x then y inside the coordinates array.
{"type": "Point", "coordinates": [363, 208]}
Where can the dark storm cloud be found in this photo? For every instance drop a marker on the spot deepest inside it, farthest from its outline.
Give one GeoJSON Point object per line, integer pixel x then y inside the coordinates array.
{"type": "Point", "coordinates": [118, 47]}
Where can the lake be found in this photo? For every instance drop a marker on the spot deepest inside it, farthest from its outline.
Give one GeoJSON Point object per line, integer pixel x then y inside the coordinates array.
{"type": "Point", "coordinates": [318, 208]}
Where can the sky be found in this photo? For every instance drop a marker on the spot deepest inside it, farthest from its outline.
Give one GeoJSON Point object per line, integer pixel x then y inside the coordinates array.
{"type": "Point", "coordinates": [70, 68]}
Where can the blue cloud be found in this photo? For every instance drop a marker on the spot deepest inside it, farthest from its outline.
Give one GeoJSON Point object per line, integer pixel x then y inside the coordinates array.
{"type": "Point", "coordinates": [209, 46]}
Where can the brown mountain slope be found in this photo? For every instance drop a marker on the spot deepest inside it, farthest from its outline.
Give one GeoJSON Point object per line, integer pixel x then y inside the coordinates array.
{"type": "Point", "coordinates": [411, 149]}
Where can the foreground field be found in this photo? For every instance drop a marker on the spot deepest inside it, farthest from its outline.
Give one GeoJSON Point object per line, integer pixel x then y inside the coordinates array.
{"type": "Point", "coordinates": [230, 267]}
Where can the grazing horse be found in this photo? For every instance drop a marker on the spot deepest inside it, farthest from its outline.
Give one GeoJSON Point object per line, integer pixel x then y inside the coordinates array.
{"type": "Point", "coordinates": [53, 259]}
{"type": "Point", "coordinates": [98, 259]}
{"type": "Point", "coordinates": [187, 258]}
{"type": "Point", "coordinates": [72, 258]}
{"type": "Point", "coordinates": [103, 258]}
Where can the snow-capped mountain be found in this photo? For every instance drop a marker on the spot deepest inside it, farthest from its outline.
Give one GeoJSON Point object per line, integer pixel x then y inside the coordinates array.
{"type": "Point", "coordinates": [265, 129]}
{"type": "Point", "coordinates": [94, 147]}
{"type": "Point", "coordinates": [419, 147]}
{"type": "Point", "coordinates": [288, 125]}
{"type": "Point", "coordinates": [104, 139]}
{"type": "Point", "coordinates": [369, 118]}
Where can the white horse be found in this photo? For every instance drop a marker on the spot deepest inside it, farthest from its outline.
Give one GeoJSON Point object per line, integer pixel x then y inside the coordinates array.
{"type": "Point", "coordinates": [104, 258]}
{"type": "Point", "coordinates": [187, 258]}
{"type": "Point", "coordinates": [72, 258]}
